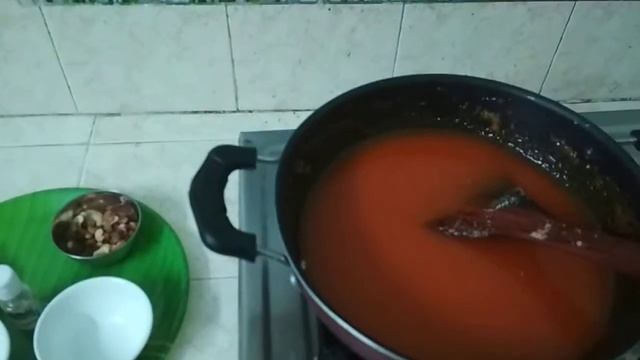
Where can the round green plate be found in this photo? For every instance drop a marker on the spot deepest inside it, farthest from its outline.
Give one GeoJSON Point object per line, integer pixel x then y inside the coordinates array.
{"type": "Point", "coordinates": [157, 263]}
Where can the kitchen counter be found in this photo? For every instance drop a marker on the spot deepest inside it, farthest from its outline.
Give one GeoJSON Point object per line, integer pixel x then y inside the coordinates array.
{"type": "Point", "coordinates": [152, 158]}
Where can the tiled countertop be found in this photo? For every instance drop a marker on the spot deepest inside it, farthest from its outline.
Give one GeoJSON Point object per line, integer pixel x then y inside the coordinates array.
{"type": "Point", "coordinates": [152, 158]}
{"type": "Point", "coordinates": [188, 78]}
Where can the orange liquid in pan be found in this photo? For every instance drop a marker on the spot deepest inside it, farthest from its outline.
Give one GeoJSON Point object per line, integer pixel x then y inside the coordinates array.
{"type": "Point", "coordinates": [370, 255]}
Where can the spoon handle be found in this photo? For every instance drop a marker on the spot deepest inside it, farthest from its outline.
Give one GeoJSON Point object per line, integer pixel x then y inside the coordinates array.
{"type": "Point", "coordinates": [619, 253]}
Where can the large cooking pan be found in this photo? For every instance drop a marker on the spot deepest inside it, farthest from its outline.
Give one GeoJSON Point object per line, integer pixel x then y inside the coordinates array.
{"type": "Point", "coordinates": [576, 152]}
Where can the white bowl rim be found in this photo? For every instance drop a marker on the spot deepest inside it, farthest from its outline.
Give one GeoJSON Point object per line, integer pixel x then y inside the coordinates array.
{"type": "Point", "coordinates": [4, 341]}
{"type": "Point", "coordinates": [63, 293]}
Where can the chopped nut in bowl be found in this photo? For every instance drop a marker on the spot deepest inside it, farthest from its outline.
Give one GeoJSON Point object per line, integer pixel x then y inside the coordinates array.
{"type": "Point", "coordinates": [98, 227]}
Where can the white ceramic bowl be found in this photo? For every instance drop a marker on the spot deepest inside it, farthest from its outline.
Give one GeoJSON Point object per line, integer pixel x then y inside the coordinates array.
{"type": "Point", "coordinates": [4, 342]}
{"type": "Point", "coordinates": [103, 318]}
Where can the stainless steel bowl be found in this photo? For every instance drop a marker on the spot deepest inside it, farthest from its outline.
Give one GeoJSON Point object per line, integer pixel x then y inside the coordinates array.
{"type": "Point", "coordinates": [61, 237]}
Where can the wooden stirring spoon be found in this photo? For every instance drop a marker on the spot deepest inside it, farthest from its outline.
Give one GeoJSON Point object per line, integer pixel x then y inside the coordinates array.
{"type": "Point", "coordinates": [621, 254]}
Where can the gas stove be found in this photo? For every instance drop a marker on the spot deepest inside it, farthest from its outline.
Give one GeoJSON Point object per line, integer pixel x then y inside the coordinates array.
{"type": "Point", "coordinates": [275, 322]}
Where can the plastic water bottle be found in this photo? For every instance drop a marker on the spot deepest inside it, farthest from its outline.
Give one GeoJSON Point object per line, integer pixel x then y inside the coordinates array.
{"type": "Point", "coordinates": [16, 300]}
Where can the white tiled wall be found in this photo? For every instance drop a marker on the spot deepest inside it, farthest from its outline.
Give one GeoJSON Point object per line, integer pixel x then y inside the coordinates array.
{"type": "Point", "coordinates": [132, 59]}
{"type": "Point", "coordinates": [511, 42]}
{"type": "Point", "coordinates": [298, 57]}
{"type": "Point", "coordinates": [146, 58]}
{"type": "Point", "coordinates": [31, 79]}
{"type": "Point", "coordinates": [599, 57]}
{"type": "Point", "coordinates": [133, 97]}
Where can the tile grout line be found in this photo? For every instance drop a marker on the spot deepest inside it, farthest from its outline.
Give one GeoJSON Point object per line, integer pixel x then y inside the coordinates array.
{"type": "Point", "coordinates": [555, 52]}
{"type": "Point", "coordinates": [225, 277]}
{"type": "Point", "coordinates": [83, 170]}
{"type": "Point", "coordinates": [233, 61]}
{"type": "Point", "coordinates": [262, 111]}
{"type": "Point", "coordinates": [195, 112]}
{"type": "Point", "coordinates": [142, 142]}
{"type": "Point", "coordinates": [596, 101]}
{"type": "Point", "coordinates": [40, 145]}
{"type": "Point", "coordinates": [55, 50]}
{"type": "Point", "coordinates": [395, 56]}
{"type": "Point", "coordinates": [125, 142]}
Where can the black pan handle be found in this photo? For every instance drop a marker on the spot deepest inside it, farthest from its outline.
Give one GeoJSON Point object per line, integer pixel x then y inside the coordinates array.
{"type": "Point", "coordinates": [207, 201]}
{"type": "Point", "coordinates": [636, 137]}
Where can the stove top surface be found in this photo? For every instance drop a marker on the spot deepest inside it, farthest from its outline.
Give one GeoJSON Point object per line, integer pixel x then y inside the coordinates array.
{"type": "Point", "coordinates": [274, 320]}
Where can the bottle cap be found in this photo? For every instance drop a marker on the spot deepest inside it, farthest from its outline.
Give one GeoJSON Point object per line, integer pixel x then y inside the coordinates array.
{"type": "Point", "coordinates": [10, 284]}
